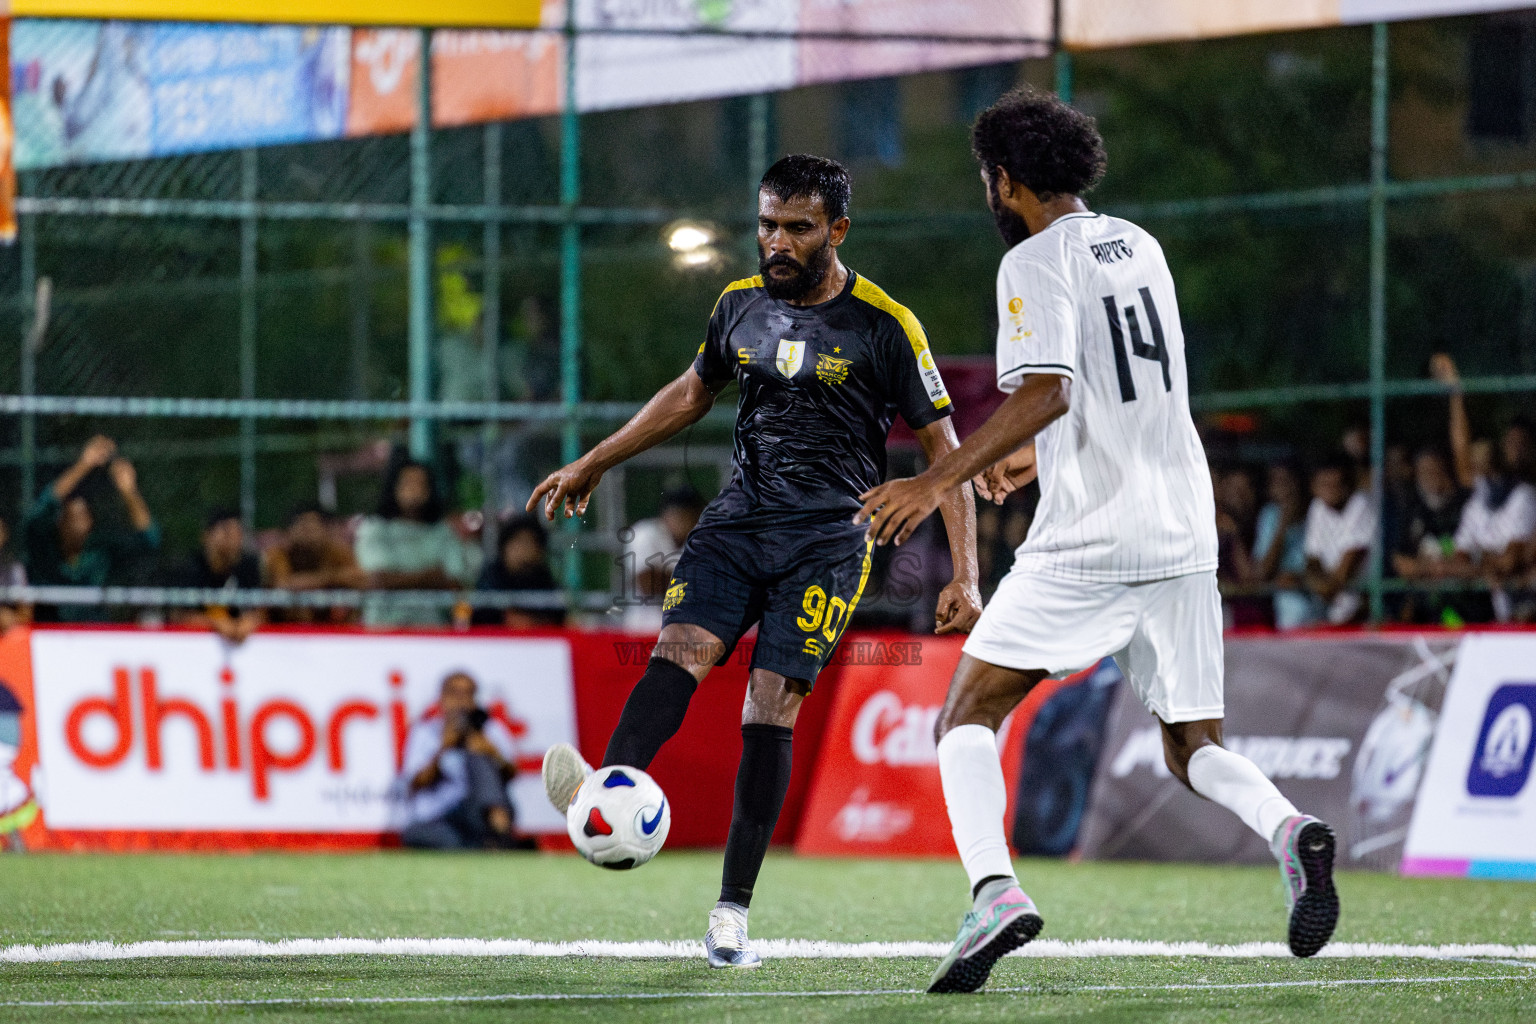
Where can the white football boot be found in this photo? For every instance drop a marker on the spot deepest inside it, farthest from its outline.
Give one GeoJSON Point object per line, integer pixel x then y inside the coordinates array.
{"type": "Point", "coordinates": [725, 944]}
{"type": "Point", "coordinates": [564, 772]}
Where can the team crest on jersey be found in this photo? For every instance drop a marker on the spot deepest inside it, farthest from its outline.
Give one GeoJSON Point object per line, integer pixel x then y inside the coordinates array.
{"type": "Point", "coordinates": [832, 369]}
{"type": "Point", "coordinates": [674, 595]}
{"type": "Point", "coordinates": [791, 356]}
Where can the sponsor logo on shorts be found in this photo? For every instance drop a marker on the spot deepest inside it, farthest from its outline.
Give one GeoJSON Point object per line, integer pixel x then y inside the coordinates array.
{"type": "Point", "coordinates": [674, 595]}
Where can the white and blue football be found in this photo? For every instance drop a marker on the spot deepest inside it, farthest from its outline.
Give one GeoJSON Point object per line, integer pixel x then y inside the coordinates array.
{"type": "Point", "coordinates": [619, 819]}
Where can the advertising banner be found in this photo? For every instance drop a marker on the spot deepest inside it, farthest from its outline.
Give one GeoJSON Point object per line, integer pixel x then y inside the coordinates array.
{"type": "Point", "coordinates": [119, 90]}
{"type": "Point", "coordinates": [476, 77]}
{"type": "Point", "coordinates": [1342, 724]}
{"type": "Point", "coordinates": [7, 142]}
{"type": "Point", "coordinates": [836, 60]}
{"type": "Point", "coordinates": [141, 735]}
{"type": "Point", "coordinates": [876, 792]}
{"type": "Point", "coordinates": [488, 13]}
{"type": "Point", "coordinates": [632, 70]}
{"type": "Point", "coordinates": [1476, 812]}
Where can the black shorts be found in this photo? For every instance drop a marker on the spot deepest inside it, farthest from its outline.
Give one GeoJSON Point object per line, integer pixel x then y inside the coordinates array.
{"type": "Point", "coordinates": [800, 584]}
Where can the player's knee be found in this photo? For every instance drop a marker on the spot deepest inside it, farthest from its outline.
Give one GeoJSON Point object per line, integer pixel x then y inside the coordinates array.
{"type": "Point", "coordinates": [1181, 740]}
{"type": "Point", "coordinates": [773, 700]}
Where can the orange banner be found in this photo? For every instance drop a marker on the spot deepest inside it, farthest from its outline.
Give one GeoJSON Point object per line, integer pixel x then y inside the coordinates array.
{"type": "Point", "coordinates": [7, 141]}
{"type": "Point", "coordinates": [477, 76]}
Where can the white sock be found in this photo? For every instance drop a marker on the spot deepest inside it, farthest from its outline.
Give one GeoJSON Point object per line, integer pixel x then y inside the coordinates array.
{"type": "Point", "coordinates": [977, 799]}
{"type": "Point", "coordinates": [1237, 784]}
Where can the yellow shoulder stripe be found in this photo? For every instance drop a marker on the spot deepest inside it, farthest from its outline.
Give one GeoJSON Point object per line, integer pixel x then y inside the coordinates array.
{"type": "Point", "coordinates": [736, 286]}
{"type": "Point", "coordinates": [864, 288]}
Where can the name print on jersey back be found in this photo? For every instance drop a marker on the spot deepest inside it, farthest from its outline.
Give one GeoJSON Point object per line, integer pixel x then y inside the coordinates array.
{"type": "Point", "coordinates": [1125, 489]}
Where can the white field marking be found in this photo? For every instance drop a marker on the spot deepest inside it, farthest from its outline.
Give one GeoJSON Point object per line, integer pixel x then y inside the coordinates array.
{"type": "Point", "coordinates": [783, 949]}
{"type": "Point", "coordinates": [554, 997]}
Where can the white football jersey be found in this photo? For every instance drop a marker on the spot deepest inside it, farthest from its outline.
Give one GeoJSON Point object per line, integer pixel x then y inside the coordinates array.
{"type": "Point", "coordinates": [1125, 489]}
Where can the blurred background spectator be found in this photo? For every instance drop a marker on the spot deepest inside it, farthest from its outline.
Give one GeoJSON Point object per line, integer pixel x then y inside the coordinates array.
{"type": "Point", "coordinates": [1423, 545]}
{"type": "Point", "coordinates": [310, 556]}
{"type": "Point", "coordinates": [12, 574]}
{"type": "Point", "coordinates": [458, 763]}
{"type": "Point", "coordinates": [408, 545]}
{"type": "Point", "coordinates": [221, 563]}
{"type": "Point", "coordinates": [651, 553]}
{"type": "Point", "coordinates": [1280, 549]}
{"type": "Point", "coordinates": [1341, 527]}
{"type": "Point", "coordinates": [61, 544]}
{"type": "Point", "coordinates": [521, 563]}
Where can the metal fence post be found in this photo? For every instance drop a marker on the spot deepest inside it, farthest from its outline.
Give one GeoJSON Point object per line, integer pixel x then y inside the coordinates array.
{"type": "Point", "coordinates": [1378, 306]}
{"type": "Point", "coordinates": [490, 325]}
{"type": "Point", "coordinates": [248, 230]}
{"type": "Point", "coordinates": [27, 240]}
{"type": "Point", "coordinates": [1063, 69]}
{"type": "Point", "coordinates": [570, 281]}
{"type": "Point", "coordinates": [421, 320]}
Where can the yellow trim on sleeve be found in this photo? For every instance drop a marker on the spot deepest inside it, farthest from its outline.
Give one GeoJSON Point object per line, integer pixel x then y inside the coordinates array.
{"type": "Point", "coordinates": [756, 281]}
{"type": "Point", "coordinates": [864, 288]}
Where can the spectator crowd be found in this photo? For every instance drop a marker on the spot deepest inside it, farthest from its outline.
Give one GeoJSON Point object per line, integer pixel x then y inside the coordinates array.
{"type": "Point", "coordinates": [409, 543]}
{"type": "Point", "coordinates": [1454, 527]}
{"type": "Point", "coordinates": [1455, 522]}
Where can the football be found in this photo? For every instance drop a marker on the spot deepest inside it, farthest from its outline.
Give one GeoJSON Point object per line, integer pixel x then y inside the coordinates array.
{"type": "Point", "coordinates": [619, 819]}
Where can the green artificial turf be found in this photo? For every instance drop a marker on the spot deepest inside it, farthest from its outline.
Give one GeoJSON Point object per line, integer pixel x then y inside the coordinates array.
{"type": "Point", "coordinates": [58, 899]}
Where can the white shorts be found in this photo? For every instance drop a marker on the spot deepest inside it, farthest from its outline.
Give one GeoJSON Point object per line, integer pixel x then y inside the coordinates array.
{"type": "Point", "coordinates": [1165, 635]}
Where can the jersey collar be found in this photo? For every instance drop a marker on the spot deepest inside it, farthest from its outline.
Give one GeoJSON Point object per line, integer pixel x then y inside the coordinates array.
{"type": "Point", "coordinates": [820, 307]}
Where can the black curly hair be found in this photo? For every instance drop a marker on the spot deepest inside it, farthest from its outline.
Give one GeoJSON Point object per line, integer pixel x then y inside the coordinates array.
{"type": "Point", "coordinates": [1044, 144]}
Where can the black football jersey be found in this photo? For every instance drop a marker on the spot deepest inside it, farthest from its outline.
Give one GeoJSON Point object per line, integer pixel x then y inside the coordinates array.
{"type": "Point", "coordinates": [820, 387]}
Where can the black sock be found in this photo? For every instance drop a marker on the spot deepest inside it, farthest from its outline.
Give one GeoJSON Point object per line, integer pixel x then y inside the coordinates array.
{"type": "Point", "coordinates": [767, 752]}
{"type": "Point", "coordinates": [652, 714]}
{"type": "Point", "coordinates": [976, 889]}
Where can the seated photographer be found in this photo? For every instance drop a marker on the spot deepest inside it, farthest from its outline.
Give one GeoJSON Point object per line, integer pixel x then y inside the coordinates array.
{"type": "Point", "coordinates": [458, 761]}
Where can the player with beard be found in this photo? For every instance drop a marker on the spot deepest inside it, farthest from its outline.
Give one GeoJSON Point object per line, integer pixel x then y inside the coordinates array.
{"type": "Point", "coordinates": [825, 361]}
{"type": "Point", "coordinates": [1121, 557]}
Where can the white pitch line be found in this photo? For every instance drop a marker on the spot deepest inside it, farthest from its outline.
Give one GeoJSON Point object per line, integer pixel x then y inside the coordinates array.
{"type": "Point", "coordinates": [782, 949]}
{"type": "Point", "coordinates": [554, 997]}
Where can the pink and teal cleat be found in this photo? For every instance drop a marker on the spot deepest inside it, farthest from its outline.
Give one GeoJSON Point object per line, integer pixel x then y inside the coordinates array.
{"type": "Point", "coordinates": [1304, 847]}
{"type": "Point", "coordinates": [1002, 920]}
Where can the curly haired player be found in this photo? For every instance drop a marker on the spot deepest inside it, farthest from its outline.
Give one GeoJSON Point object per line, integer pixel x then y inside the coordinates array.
{"type": "Point", "coordinates": [1121, 557]}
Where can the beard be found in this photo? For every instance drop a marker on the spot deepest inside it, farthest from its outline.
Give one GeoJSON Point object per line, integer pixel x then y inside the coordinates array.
{"type": "Point", "coordinates": [1009, 224]}
{"type": "Point", "coordinates": [806, 277]}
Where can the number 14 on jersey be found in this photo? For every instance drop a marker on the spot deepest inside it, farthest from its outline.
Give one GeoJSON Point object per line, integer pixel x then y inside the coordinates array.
{"type": "Point", "coordinates": [1157, 351]}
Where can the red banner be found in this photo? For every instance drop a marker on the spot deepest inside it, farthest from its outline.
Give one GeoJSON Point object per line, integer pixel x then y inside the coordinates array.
{"type": "Point", "coordinates": [876, 792]}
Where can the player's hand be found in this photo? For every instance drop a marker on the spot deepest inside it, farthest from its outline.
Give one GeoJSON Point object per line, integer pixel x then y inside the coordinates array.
{"type": "Point", "coordinates": [1006, 475]}
{"type": "Point", "coordinates": [896, 508]}
{"type": "Point", "coordinates": [1443, 369]}
{"type": "Point", "coordinates": [124, 477]}
{"type": "Point", "coordinates": [569, 487]}
{"type": "Point", "coordinates": [98, 451]}
{"type": "Point", "coordinates": [958, 609]}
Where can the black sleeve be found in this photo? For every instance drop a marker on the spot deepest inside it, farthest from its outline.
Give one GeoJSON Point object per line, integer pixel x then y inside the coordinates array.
{"type": "Point", "coordinates": [714, 364]}
{"type": "Point", "coordinates": [914, 383]}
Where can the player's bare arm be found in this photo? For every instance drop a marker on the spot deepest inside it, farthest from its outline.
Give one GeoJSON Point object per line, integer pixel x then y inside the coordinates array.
{"type": "Point", "coordinates": [903, 504]}
{"type": "Point", "coordinates": [959, 604]}
{"type": "Point", "coordinates": [675, 407]}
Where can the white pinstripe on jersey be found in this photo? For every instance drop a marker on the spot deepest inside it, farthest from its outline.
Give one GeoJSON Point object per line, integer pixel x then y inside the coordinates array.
{"type": "Point", "coordinates": [1125, 489]}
